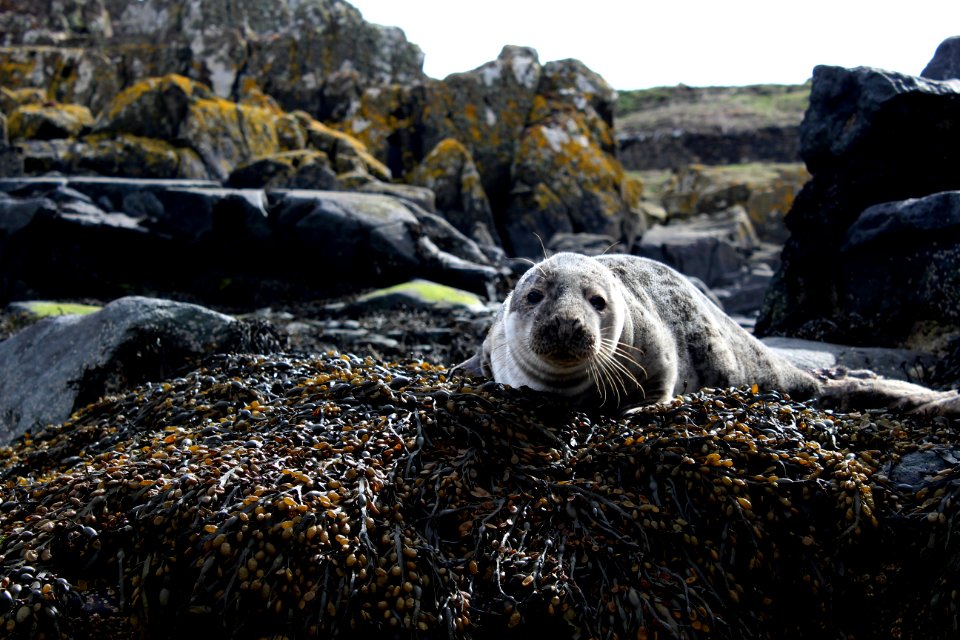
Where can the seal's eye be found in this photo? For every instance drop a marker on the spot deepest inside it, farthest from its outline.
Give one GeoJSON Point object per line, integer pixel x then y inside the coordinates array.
{"type": "Point", "coordinates": [534, 297]}
{"type": "Point", "coordinates": [598, 303]}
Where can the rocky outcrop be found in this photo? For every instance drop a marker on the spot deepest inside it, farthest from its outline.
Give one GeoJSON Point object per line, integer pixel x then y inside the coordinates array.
{"type": "Point", "coordinates": [872, 137]}
{"type": "Point", "coordinates": [945, 64]}
{"type": "Point", "coordinates": [173, 127]}
{"type": "Point", "coordinates": [540, 135]}
{"type": "Point", "coordinates": [62, 363]}
{"type": "Point", "coordinates": [765, 191]}
{"type": "Point", "coordinates": [671, 127]}
{"type": "Point", "coordinates": [449, 171]}
{"type": "Point", "coordinates": [87, 53]}
{"type": "Point", "coordinates": [662, 149]}
{"type": "Point", "coordinates": [102, 238]}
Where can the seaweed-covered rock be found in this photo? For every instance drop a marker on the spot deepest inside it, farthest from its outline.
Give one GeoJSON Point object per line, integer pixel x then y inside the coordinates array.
{"type": "Point", "coordinates": [869, 137]}
{"type": "Point", "coordinates": [46, 121]}
{"type": "Point", "coordinates": [344, 496]}
{"type": "Point", "coordinates": [59, 364]}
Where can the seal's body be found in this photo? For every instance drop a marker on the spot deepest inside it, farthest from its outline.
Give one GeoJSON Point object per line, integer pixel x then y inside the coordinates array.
{"type": "Point", "coordinates": [624, 330]}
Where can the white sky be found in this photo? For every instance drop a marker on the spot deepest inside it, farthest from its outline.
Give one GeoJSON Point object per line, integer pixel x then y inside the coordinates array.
{"type": "Point", "coordinates": [636, 44]}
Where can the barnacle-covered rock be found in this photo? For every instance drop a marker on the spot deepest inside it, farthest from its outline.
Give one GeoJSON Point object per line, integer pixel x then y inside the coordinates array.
{"type": "Point", "coordinates": [338, 496]}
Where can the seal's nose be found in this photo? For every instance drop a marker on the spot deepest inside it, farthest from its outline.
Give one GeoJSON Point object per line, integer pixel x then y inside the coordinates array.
{"type": "Point", "coordinates": [563, 339]}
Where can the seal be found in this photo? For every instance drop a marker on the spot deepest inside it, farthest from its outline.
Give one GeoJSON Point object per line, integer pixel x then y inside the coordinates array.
{"type": "Point", "coordinates": [623, 330]}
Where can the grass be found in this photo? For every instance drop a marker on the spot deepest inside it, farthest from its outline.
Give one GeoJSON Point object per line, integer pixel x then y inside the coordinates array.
{"type": "Point", "coordinates": [711, 108]}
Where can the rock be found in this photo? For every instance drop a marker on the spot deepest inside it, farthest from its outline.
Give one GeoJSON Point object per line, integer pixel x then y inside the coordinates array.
{"type": "Point", "coordinates": [898, 364]}
{"type": "Point", "coordinates": [590, 244]}
{"type": "Point", "coordinates": [62, 363]}
{"type": "Point", "coordinates": [842, 497]}
{"type": "Point", "coordinates": [304, 169]}
{"type": "Point", "coordinates": [869, 137]}
{"type": "Point", "coordinates": [566, 177]}
{"type": "Point", "coordinates": [121, 155]}
{"type": "Point", "coordinates": [420, 197]}
{"type": "Point", "coordinates": [100, 238]}
{"type": "Point", "coordinates": [899, 272]}
{"type": "Point", "coordinates": [449, 171]}
{"type": "Point", "coordinates": [420, 294]}
{"type": "Point", "coordinates": [381, 239]}
{"type": "Point", "coordinates": [13, 99]}
{"type": "Point", "coordinates": [46, 122]}
{"type": "Point", "coordinates": [765, 191]}
{"type": "Point", "coordinates": [173, 108]}
{"type": "Point", "coordinates": [711, 248]}
{"type": "Point", "coordinates": [945, 64]}
{"type": "Point", "coordinates": [540, 137]}
{"type": "Point", "coordinates": [675, 126]}
{"type": "Point", "coordinates": [287, 52]}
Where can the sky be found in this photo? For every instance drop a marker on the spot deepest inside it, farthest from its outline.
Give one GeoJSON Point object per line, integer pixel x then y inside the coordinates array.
{"type": "Point", "coordinates": [636, 44]}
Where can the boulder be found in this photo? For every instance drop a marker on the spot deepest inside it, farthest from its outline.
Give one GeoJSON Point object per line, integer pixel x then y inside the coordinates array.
{"type": "Point", "coordinates": [898, 272]}
{"type": "Point", "coordinates": [945, 64]}
{"type": "Point", "coordinates": [869, 137]}
{"type": "Point", "coordinates": [100, 238]}
{"type": "Point", "coordinates": [62, 363]}
{"type": "Point", "coordinates": [420, 294]}
{"type": "Point", "coordinates": [12, 99]}
{"type": "Point", "coordinates": [173, 108]}
{"type": "Point", "coordinates": [566, 177]}
{"type": "Point", "coordinates": [898, 364]}
{"type": "Point", "coordinates": [48, 121]}
{"type": "Point", "coordinates": [450, 173]}
{"type": "Point", "coordinates": [713, 249]}
{"type": "Point", "coordinates": [381, 240]}
{"type": "Point", "coordinates": [305, 169]}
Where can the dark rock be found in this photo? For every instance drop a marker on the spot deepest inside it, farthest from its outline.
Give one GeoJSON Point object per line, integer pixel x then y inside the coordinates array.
{"type": "Point", "coordinates": [103, 238]}
{"type": "Point", "coordinates": [869, 137]}
{"type": "Point", "coordinates": [945, 64]}
{"type": "Point", "coordinates": [898, 364]}
{"type": "Point", "coordinates": [678, 148]}
{"type": "Point", "coordinates": [60, 364]}
{"type": "Point", "coordinates": [378, 238]}
{"type": "Point", "coordinates": [291, 170]}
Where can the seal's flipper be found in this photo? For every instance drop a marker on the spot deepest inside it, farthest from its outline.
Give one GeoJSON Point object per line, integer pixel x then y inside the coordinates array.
{"type": "Point", "coordinates": [471, 367]}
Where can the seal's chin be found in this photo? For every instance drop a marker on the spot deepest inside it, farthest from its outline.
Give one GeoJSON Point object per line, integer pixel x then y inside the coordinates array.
{"type": "Point", "coordinates": [565, 359]}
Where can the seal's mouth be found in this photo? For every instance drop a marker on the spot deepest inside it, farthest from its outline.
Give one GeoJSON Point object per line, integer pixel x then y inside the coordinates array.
{"type": "Point", "coordinates": [563, 342]}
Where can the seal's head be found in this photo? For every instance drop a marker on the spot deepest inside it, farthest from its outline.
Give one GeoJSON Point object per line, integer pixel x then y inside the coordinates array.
{"type": "Point", "coordinates": [560, 329]}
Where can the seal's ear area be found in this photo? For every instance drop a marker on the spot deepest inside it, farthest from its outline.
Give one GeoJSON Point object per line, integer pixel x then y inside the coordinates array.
{"type": "Point", "coordinates": [472, 367]}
